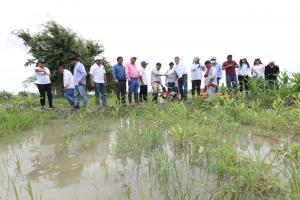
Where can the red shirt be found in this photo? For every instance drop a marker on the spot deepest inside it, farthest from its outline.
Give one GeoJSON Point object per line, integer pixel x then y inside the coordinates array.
{"type": "Point", "coordinates": [230, 71]}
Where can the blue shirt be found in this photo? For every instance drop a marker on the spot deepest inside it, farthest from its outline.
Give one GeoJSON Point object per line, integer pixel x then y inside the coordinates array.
{"type": "Point", "coordinates": [218, 68]}
{"type": "Point", "coordinates": [79, 74]}
{"type": "Point", "coordinates": [119, 72]}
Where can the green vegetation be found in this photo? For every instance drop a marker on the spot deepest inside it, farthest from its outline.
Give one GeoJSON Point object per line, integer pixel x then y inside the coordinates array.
{"type": "Point", "coordinates": [192, 149]}
{"type": "Point", "coordinates": [55, 44]}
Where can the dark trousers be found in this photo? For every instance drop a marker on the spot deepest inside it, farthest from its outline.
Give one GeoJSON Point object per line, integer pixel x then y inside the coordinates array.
{"type": "Point", "coordinates": [182, 85]}
{"type": "Point", "coordinates": [143, 93]}
{"type": "Point", "coordinates": [243, 83]}
{"type": "Point", "coordinates": [196, 85]}
{"type": "Point", "coordinates": [172, 87]}
{"type": "Point", "coordinates": [121, 91]}
{"type": "Point", "coordinates": [43, 88]}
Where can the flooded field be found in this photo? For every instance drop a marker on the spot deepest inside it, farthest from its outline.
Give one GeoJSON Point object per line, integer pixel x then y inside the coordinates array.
{"type": "Point", "coordinates": [94, 160]}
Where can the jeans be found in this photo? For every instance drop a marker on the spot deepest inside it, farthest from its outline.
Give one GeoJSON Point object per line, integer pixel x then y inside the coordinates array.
{"type": "Point", "coordinates": [69, 95]}
{"type": "Point", "coordinates": [80, 91]}
{"type": "Point", "coordinates": [134, 86]}
{"type": "Point", "coordinates": [218, 83]}
{"type": "Point", "coordinates": [231, 83]}
{"type": "Point", "coordinates": [121, 91]}
{"type": "Point", "coordinates": [272, 84]}
{"type": "Point", "coordinates": [143, 93]}
{"type": "Point", "coordinates": [196, 85]}
{"type": "Point", "coordinates": [182, 85]}
{"type": "Point", "coordinates": [43, 88]}
{"type": "Point", "coordinates": [100, 88]}
{"type": "Point", "coordinates": [172, 87]}
{"type": "Point", "coordinates": [211, 91]}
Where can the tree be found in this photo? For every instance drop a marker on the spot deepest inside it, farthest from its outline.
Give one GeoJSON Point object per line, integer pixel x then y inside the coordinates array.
{"type": "Point", "coordinates": [56, 44]}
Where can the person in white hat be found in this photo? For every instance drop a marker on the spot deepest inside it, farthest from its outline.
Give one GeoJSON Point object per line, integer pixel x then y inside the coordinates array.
{"type": "Point", "coordinates": [98, 80]}
{"type": "Point", "coordinates": [218, 69]}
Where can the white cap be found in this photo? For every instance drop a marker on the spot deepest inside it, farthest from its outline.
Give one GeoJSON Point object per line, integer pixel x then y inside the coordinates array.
{"type": "Point", "coordinates": [97, 58]}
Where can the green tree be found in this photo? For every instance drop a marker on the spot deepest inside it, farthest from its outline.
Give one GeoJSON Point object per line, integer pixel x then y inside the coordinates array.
{"type": "Point", "coordinates": [56, 44]}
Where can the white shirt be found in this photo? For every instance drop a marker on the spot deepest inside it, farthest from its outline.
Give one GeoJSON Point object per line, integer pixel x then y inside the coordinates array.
{"type": "Point", "coordinates": [42, 77]}
{"type": "Point", "coordinates": [171, 76]}
{"type": "Point", "coordinates": [180, 70]}
{"type": "Point", "coordinates": [258, 70]}
{"type": "Point", "coordinates": [98, 73]}
{"type": "Point", "coordinates": [68, 79]}
{"type": "Point", "coordinates": [211, 78]}
{"type": "Point", "coordinates": [156, 76]}
{"type": "Point", "coordinates": [244, 70]}
{"type": "Point", "coordinates": [196, 71]}
{"type": "Point", "coordinates": [143, 74]}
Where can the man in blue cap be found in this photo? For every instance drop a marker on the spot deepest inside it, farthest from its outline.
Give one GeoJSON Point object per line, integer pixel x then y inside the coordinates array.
{"type": "Point", "coordinates": [143, 82]}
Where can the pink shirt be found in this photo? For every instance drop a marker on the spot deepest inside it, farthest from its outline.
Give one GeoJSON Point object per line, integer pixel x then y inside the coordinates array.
{"type": "Point", "coordinates": [131, 71]}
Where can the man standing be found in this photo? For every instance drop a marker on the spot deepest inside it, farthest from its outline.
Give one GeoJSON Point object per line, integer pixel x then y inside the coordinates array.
{"type": "Point", "coordinates": [132, 76]}
{"type": "Point", "coordinates": [156, 81]}
{"type": "Point", "coordinates": [196, 75]}
{"type": "Point", "coordinates": [171, 78]}
{"type": "Point", "coordinates": [68, 85]}
{"type": "Point", "coordinates": [98, 80]}
{"type": "Point", "coordinates": [79, 82]}
{"type": "Point", "coordinates": [143, 82]}
{"type": "Point", "coordinates": [231, 78]}
{"type": "Point", "coordinates": [218, 69]}
{"type": "Point", "coordinates": [120, 80]}
{"type": "Point", "coordinates": [271, 74]}
{"type": "Point", "coordinates": [182, 78]}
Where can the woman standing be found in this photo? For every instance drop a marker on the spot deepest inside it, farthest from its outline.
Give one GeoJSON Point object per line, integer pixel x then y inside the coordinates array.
{"type": "Point", "coordinates": [258, 69]}
{"type": "Point", "coordinates": [243, 75]}
{"type": "Point", "coordinates": [43, 82]}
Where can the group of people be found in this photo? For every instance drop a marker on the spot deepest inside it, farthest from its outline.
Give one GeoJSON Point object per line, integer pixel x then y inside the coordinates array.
{"type": "Point", "coordinates": [237, 77]}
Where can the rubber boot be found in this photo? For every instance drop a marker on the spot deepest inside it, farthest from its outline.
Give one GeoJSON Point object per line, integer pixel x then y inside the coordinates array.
{"type": "Point", "coordinates": [136, 98]}
{"type": "Point", "coordinates": [129, 98]}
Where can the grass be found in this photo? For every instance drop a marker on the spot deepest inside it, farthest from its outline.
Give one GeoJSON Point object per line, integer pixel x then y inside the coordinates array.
{"type": "Point", "coordinates": [180, 138]}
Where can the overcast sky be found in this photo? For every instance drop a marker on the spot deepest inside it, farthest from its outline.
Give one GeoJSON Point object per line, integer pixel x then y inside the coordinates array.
{"type": "Point", "coordinates": [158, 30]}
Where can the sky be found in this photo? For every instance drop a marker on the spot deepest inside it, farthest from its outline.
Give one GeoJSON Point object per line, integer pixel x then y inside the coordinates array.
{"type": "Point", "coordinates": [158, 30]}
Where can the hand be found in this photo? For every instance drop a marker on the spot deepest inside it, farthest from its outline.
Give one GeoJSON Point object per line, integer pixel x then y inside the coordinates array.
{"type": "Point", "coordinates": [80, 82]}
{"type": "Point", "coordinates": [93, 85]}
{"type": "Point", "coordinates": [116, 81]}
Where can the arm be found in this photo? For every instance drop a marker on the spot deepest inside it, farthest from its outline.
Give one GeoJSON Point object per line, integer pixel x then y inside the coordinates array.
{"type": "Point", "coordinates": [114, 73]}
{"type": "Point", "coordinates": [66, 79]}
{"type": "Point", "coordinates": [83, 73]}
{"type": "Point", "coordinates": [127, 72]}
{"type": "Point", "coordinates": [91, 76]}
{"type": "Point", "coordinates": [193, 68]}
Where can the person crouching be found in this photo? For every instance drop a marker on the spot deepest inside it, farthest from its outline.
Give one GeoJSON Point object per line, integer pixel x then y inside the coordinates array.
{"type": "Point", "coordinates": [210, 78]}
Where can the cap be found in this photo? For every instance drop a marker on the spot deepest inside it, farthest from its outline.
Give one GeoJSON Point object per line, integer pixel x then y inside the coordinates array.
{"type": "Point", "coordinates": [97, 58]}
{"type": "Point", "coordinates": [213, 58]}
{"type": "Point", "coordinates": [41, 61]}
{"type": "Point", "coordinates": [144, 63]}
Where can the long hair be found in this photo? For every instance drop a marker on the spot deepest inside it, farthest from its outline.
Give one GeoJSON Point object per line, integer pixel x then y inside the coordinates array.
{"type": "Point", "coordinates": [257, 59]}
{"type": "Point", "coordinates": [246, 62]}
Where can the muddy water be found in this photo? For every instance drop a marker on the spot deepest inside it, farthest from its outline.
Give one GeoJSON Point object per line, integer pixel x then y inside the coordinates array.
{"type": "Point", "coordinates": [71, 160]}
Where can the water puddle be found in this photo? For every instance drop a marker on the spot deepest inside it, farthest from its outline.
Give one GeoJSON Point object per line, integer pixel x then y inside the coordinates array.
{"type": "Point", "coordinates": [70, 160]}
